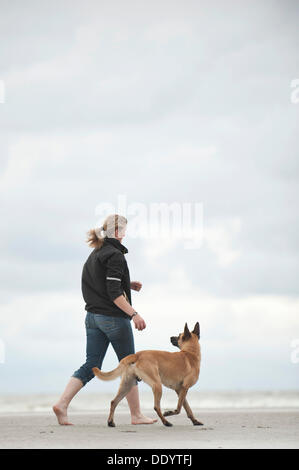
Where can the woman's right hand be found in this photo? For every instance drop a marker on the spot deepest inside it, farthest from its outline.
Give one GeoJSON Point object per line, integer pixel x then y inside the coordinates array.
{"type": "Point", "coordinates": [139, 322]}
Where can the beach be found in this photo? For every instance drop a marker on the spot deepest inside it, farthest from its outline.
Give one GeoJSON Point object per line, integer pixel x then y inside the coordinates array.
{"type": "Point", "coordinates": [222, 429]}
{"type": "Point", "coordinates": [232, 420]}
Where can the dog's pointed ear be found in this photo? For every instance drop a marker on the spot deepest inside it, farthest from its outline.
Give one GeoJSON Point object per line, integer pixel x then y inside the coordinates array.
{"type": "Point", "coordinates": [196, 330]}
{"type": "Point", "coordinates": [187, 333]}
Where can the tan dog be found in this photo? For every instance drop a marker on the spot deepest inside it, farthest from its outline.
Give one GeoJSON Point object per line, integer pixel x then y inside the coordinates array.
{"type": "Point", "coordinates": [176, 370]}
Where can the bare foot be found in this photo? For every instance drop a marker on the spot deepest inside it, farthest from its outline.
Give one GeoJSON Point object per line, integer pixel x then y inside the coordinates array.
{"type": "Point", "coordinates": [141, 419]}
{"type": "Point", "coordinates": [61, 415]}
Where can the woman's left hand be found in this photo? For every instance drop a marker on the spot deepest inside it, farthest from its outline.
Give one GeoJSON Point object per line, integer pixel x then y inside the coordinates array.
{"type": "Point", "coordinates": [136, 285]}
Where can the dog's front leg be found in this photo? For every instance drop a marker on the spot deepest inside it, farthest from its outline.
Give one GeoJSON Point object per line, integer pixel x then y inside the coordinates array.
{"type": "Point", "coordinates": [189, 412]}
{"type": "Point", "coordinates": [182, 392]}
{"type": "Point", "coordinates": [157, 391]}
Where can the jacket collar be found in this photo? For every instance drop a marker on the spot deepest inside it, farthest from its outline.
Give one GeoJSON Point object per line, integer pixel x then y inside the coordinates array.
{"type": "Point", "coordinates": [116, 243]}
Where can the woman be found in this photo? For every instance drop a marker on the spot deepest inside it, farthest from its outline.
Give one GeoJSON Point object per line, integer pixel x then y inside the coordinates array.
{"type": "Point", "coordinates": [106, 289]}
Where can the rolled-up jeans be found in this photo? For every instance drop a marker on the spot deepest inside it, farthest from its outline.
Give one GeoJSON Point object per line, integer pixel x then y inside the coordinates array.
{"type": "Point", "coordinates": [101, 330]}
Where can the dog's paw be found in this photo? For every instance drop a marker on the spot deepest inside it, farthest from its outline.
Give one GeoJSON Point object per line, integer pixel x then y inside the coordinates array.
{"type": "Point", "coordinates": [168, 413]}
{"type": "Point", "coordinates": [197, 423]}
{"type": "Point", "coordinates": [167, 423]}
{"type": "Point", "coordinates": [111, 424]}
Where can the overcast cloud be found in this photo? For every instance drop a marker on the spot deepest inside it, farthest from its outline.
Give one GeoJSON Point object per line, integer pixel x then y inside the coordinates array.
{"type": "Point", "coordinates": [163, 102]}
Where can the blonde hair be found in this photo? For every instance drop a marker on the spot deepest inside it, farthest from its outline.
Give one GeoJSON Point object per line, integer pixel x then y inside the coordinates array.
{"type": "Point", "coordinates": [112, 223]}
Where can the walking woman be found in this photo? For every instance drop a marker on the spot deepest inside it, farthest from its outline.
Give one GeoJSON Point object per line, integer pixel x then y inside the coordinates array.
{"type": "Point", "coordinates": [106, 289]}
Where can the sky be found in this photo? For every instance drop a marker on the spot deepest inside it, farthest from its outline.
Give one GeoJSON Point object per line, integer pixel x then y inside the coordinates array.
{"type": "Point", "coordinates": [156, 103]}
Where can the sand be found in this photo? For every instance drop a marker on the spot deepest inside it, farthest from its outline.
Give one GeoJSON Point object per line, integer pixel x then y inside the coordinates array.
{"type": "Point", "coordinates": [226, 429]}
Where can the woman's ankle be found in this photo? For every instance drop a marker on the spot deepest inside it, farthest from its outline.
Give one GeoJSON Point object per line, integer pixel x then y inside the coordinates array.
{"type": "Point", "coordinates": [61, 404]}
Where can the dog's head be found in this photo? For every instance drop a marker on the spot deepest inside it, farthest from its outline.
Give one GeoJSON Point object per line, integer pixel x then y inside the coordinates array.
{"type": "Point", "coordinates": [178, 341]}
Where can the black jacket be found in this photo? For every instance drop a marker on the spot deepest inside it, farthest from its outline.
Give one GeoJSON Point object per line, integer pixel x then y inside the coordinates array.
{"type": "Point", "coordinates": [105, 277]}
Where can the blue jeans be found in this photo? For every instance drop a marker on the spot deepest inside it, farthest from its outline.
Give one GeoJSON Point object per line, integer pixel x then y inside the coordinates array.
{"type": "Point", "coordinates": [100, 331]}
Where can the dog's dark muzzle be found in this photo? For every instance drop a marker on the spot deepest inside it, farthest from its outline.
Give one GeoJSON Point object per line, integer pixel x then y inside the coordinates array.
{"type": "Point", "coordinates": [174, 341]}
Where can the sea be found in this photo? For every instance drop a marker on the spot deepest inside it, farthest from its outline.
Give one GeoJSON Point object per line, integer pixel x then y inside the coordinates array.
{"type": "Point", "coordinates": [100, 402]}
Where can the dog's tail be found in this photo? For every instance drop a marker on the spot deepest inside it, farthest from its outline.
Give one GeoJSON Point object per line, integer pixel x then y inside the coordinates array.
{"type": "Point", "coordinates": [113, 374]}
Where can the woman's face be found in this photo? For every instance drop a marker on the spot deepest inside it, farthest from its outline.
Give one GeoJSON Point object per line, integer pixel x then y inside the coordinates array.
{"type": "Point", "coordinates": [121, 232]}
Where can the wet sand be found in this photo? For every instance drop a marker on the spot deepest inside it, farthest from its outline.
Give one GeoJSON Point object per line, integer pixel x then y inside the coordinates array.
{"type": "Point", "coordinates": [227, 429]}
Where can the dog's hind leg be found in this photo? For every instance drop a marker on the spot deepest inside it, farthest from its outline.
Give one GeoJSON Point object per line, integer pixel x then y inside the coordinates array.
{"type": "Point", "coordinates": [126, 384]}
{"type": "Point", "coordinates": [150, 375]}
